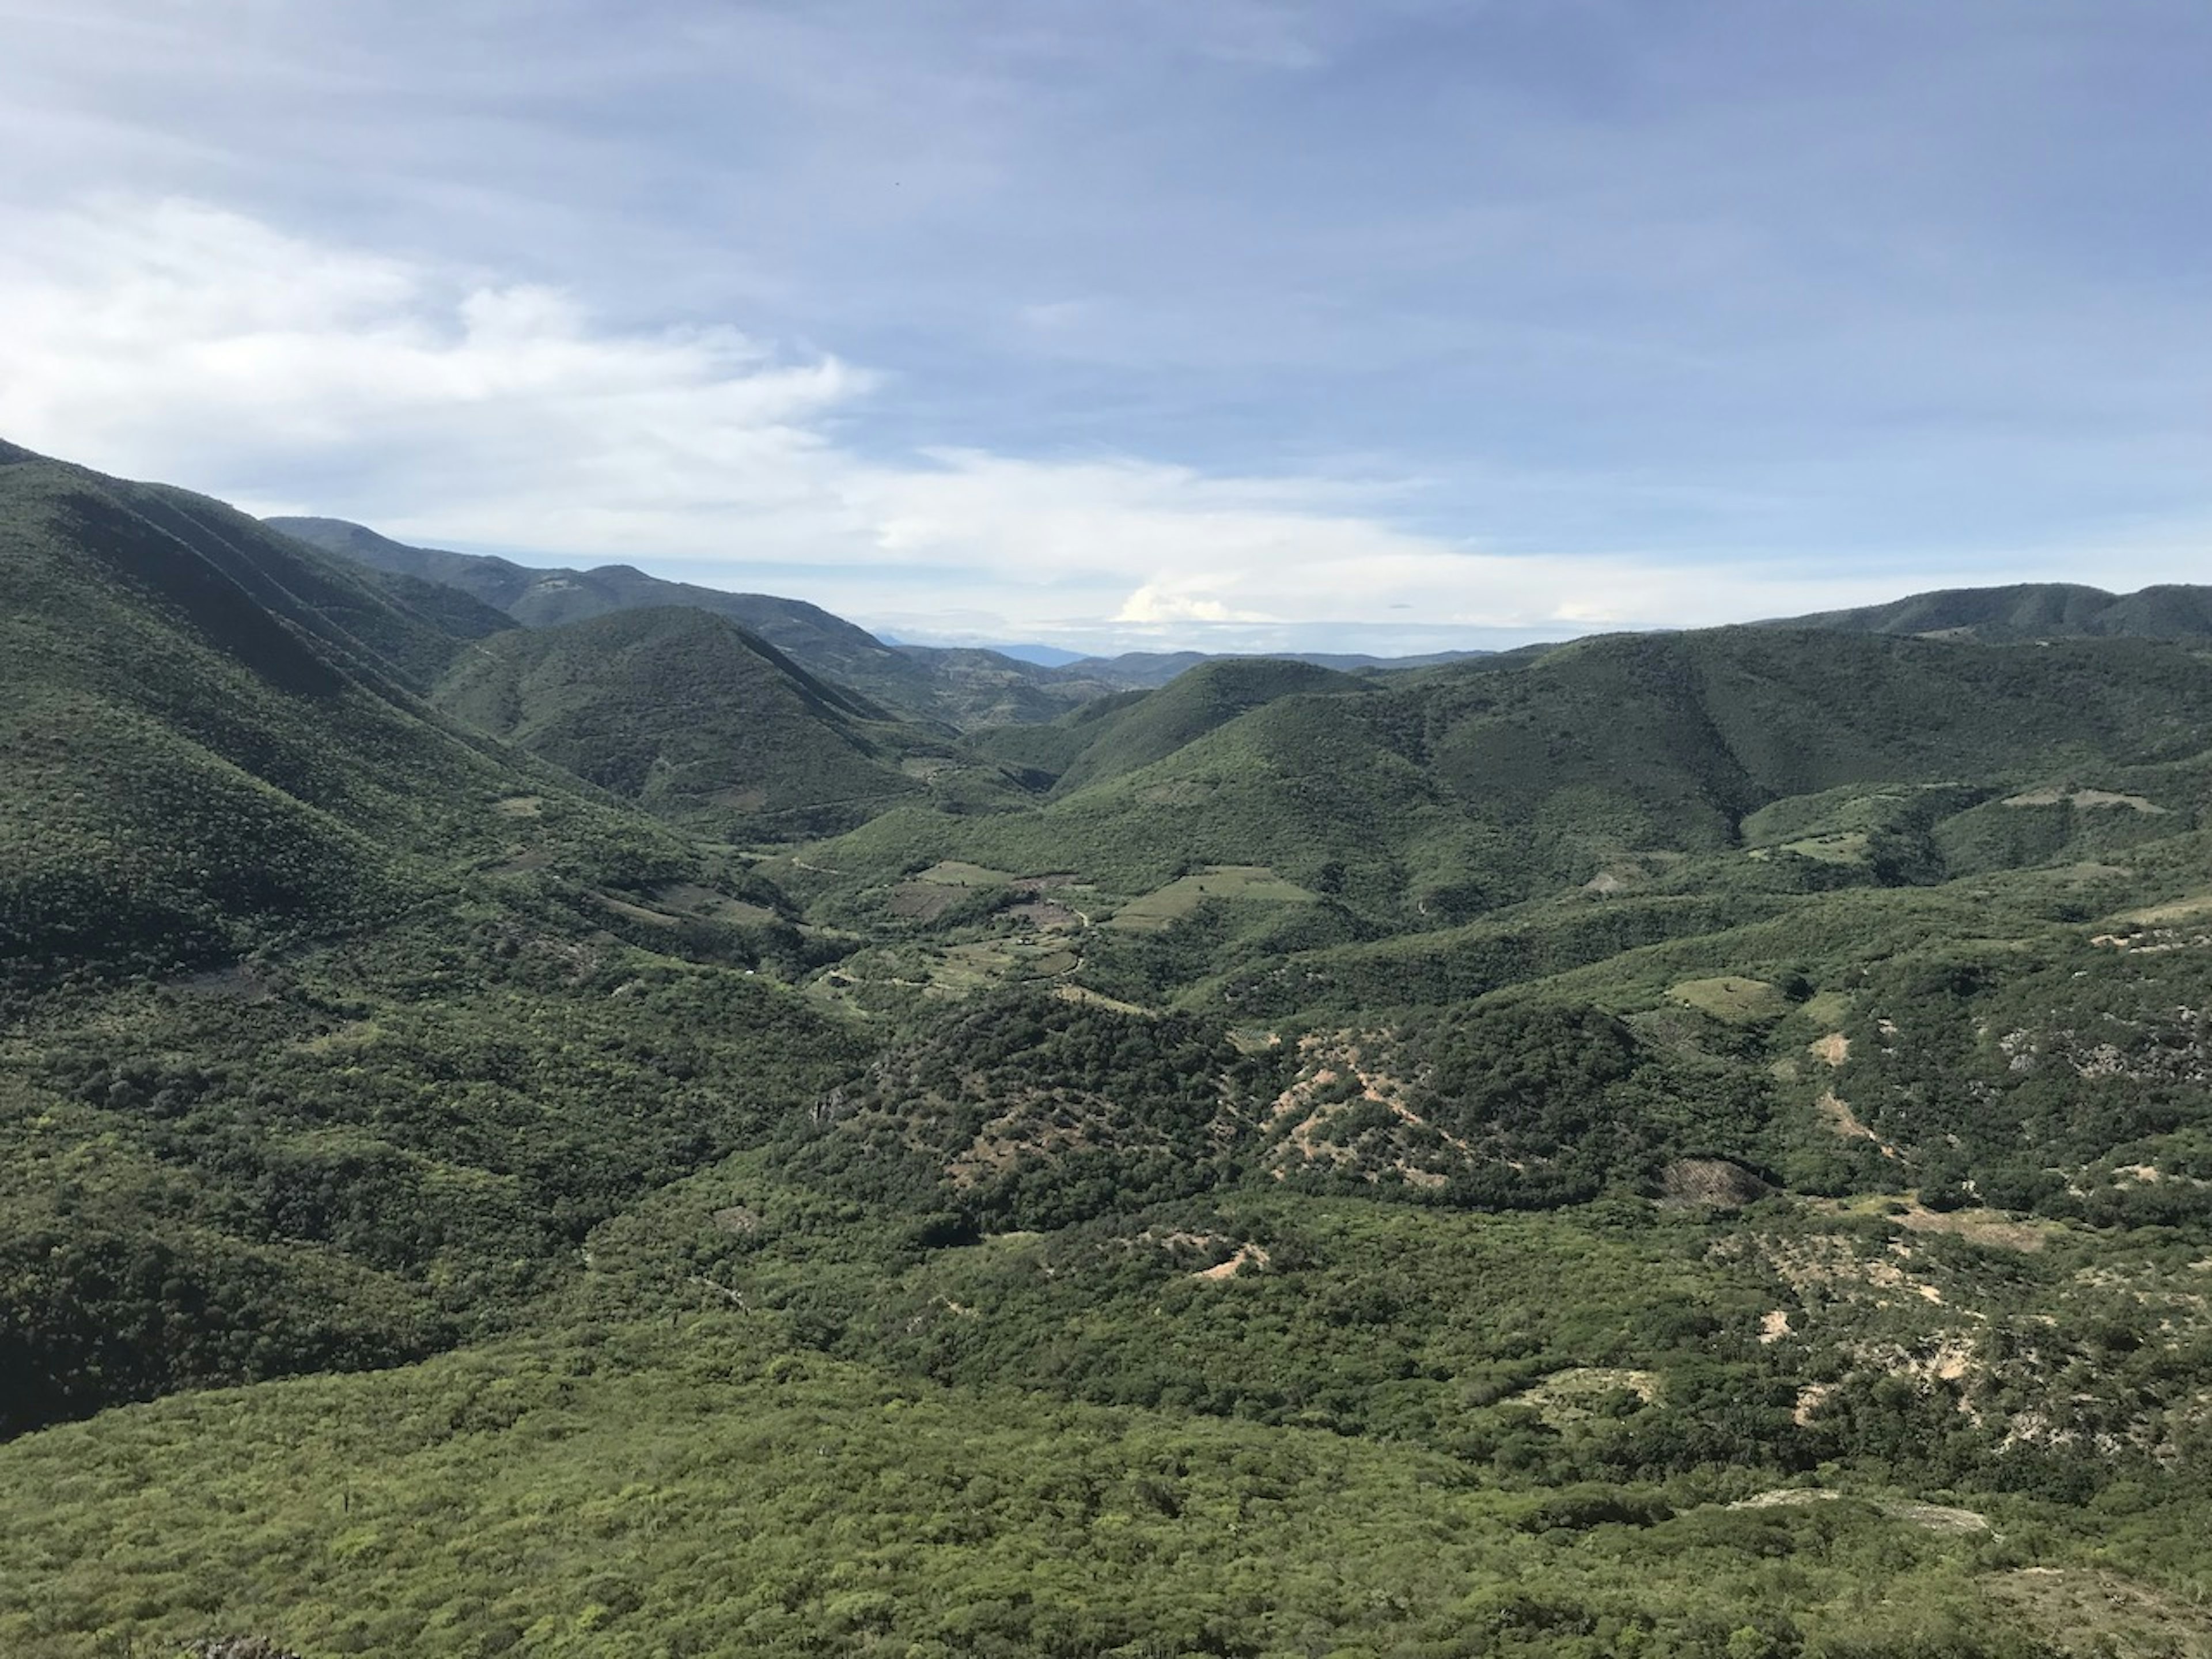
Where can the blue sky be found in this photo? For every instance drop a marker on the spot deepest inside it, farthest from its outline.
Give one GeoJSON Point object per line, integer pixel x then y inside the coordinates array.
{"type": "Point", "coordinates": [1391, 325]}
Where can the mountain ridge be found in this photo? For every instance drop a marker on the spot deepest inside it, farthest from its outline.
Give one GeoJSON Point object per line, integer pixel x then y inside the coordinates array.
{"type": "Point", "coordinates": [956, 687]}
{"type": "Point", "coordinates": [2025, 611]}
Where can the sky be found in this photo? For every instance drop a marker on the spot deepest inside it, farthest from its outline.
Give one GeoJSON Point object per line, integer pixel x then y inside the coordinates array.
{"type": "Point", "coordinates": [1390, 326]}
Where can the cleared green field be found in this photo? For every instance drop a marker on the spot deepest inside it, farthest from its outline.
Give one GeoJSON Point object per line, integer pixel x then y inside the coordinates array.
{"type": "Point", "coordinates": [1247, 881]}
{"type": "Point", "coordinates": [1732, 997]}
{"type": "Point", "coordinates": [954, 873]}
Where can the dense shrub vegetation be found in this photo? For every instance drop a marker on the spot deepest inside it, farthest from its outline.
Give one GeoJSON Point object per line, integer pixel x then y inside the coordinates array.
{"type": "Point", "coordinates": [1690, 1146]}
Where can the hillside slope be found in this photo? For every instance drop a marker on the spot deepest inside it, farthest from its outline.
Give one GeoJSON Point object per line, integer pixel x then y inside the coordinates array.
{"type": "Point", "coordinates": [695, 719]}
{"type": "Point", "coordinates": [210, 731]}
{"type": "Point", "coordinates": [284, 954]}
{"type": "Point", "coordinates": [1696, 1145]}
{"type": "Point", "coordinates": [1439, 795]}
{"type": "Point", "coordinates": [1120, 732]}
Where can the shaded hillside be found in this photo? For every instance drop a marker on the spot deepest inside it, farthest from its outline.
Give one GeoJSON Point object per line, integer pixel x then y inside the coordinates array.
{"type": "Point", "coordinates": [696, 719]}
{"type": "Point", "coordinates": [280, 949]}
{"type": "Point", "coordinates": [209, 732]}
{"type": "Point", "coordinates": [404, 630]}
{"type": "Point", "coordinates": [2029, 611]}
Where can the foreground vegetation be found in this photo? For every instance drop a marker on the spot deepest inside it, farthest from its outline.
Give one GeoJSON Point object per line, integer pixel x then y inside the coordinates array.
{"type": "Point", "coordinates": [1688, 1146]}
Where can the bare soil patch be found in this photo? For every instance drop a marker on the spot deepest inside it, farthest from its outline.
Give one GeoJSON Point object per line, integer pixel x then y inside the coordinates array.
{"type": "Point", "coordinates": [1713, 1181]}
{"type": "Point", "coordinates": [1247, 1256]}
{"type": "Point", "coordinates": [1937, 1517]}
{"type": "Point", "coordinates": [1302, 1115]}
{"type": "Point", "coordinates": [1839, 1117]}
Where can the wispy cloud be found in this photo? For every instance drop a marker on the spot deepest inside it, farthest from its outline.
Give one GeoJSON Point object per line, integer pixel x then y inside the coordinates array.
{"type": "Point", "coordinates": [175, 340]}
{"type": "Point", "coordinates": [1022, 315]}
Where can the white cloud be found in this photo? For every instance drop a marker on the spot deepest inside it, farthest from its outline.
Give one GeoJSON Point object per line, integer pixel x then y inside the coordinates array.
{"type": "Point", "coordinates": [179, 341]}
{"type": "Point", "coordinates": [1057, 316]}
{"type": "Point", "coordinates": [1152, 604]}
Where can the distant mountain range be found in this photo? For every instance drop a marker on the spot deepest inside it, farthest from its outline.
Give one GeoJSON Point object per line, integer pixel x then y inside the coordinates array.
{"type": "Point", "coordinates": [968, 687]}
{"type": "Point", "coordinates": [746, 716]}
{"type": "Point", "coordinates": [1146, 668]}
{"type": "Point", "coordinates": [826, 644]}
{"type": "Point", "coordinates": [962, 686]}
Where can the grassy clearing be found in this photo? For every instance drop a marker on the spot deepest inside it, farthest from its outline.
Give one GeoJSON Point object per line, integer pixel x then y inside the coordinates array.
{"type": "Point", "coordinates": [690, 899]}
{"type": "Point", "coordinates": [1254, 883]}
{"type": "Point", "coordinates": [1996, 1228]}
{"type": "Point", "coordinates": [963, 968]}
{"type": "Point", "coordinates": [1847, 847]}
{"type": "Point", "coordinates": [1584, 1392]}
{"type": "Point", "coordinates": [953, 873]}
{"type": "Point", "coordinates": [2181, 909]}
{"type": "Point", "coordinates": [1730, 997]}
{"type": "Point", "coordinates": [2056, 797]}
{"type": "Point", "coordinates": [1826, 1008]}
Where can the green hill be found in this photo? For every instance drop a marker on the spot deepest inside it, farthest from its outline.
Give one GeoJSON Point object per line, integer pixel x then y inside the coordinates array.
{"type": "Point", "coordinates": [697, 720]}
{"type": "Point", "coordinates": [2032, 611]}
{"type": "Point", "coordinates": [284, 951]}
{"type": "Point", "coordinates": [1118, 734]}
{"type": "Point", "coordinates": [211, 732]}
{"type": "Point", "coordinates": [1432, 797]}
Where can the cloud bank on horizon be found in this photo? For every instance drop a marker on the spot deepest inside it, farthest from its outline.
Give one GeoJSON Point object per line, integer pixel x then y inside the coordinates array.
{"type": "Point", "coordinates": [1398, 325]}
